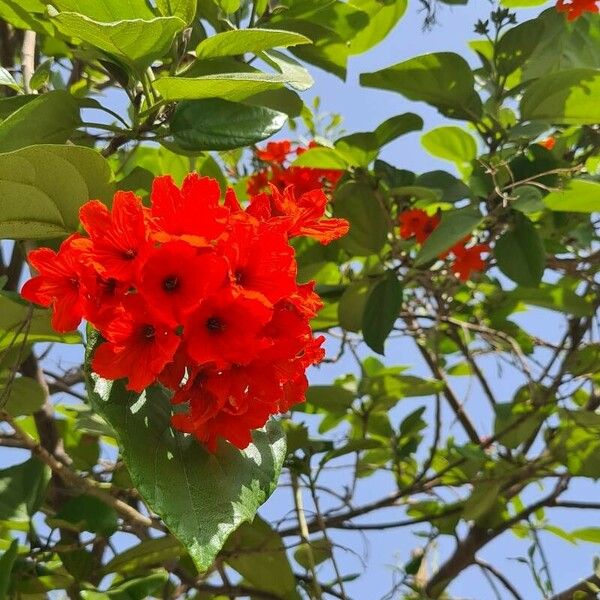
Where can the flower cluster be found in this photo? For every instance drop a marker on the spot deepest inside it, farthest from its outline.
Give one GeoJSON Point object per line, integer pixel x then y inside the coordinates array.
{"type": "Point", "coordinates": [198, 294]}
{"type": "Point", "coordinates": [575, 8]}
{"type": "Point", "coordinates": [277, 171]}
{"type": "Point", "coordinates": [465, 255]}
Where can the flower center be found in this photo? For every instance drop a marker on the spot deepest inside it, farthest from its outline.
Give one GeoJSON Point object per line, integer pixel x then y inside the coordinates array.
{"type": "Point", "coordinates": [148, 332]}
{"type": "Point", "coordinates": [239, 277]}
{"type": "Point", "coordinates": [214, 324]}
{"type": "Point", "coordinates": [170, 283]}
{"type": "Point", "coordinates": [129, 254]}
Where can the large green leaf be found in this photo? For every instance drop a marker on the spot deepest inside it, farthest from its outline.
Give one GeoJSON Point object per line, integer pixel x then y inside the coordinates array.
{"type": "Point", "coordinates": [569, 97]}
{"type": "Point", "coordinates": [520, 252]}
{"type": "Point", "coordinates": [148, 553]}
{"type": "Point", "coordinates": [579, 195]}
{"type": "Point", "coordinates": [442, 79]}
{"type": "Point", "coordinates": [381, 312]}
{"type": "Point", "coordinates": [24, 395]}
{"type": "Point", "coordinates": [47, 119]}
{"type": "Point", "coordinates": [42, 188]}
{"type": "Point", "coordinates": [107, 11]}
{"type": "Point", "coordinates": [383, 16]}
{"type": "Point", "coordinates": [215, 124]}
{"type": "Point", "coordinates": [258, 554]}
{"type": "Point", "coordinates": [229, 86]}
{"type": "Point", "coordinates": [136, 43]}
{"type": "Point", "coordinates": [357, 202]}
{"type": "Point", "coordinates": [454, 226]}
{"type": "Point", "coordinates": [22, 490]}
{"type": "Point", "coordinates": [517, 45]}
{"type": "Point", "coordinates": [184, 9]}
{"type": "Point", "coordinates": [241, 41]}
{"type": "Point", "coordinates": [201, 497]}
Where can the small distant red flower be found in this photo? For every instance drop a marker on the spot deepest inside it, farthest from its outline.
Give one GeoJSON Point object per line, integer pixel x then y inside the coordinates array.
{"type": "Point", "coordinates": [58, 283]}
{"type": "Point", "coordinates": [276, 152]}
{"type": "Point", "coordinates": [548, 143]}
{"type": "Point", "coordinates": [468, 260]}
{"type": "Point", "coordinates": [418, 224]}
{"type": "Point", "coordinates": [575, 8]}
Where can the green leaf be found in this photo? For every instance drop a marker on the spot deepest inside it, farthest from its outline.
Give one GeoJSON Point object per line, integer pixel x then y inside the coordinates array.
{"type": "Point", "coordinates": [482, 500]}
{"type": "Point", "coordinates": [293, 72]}
{"type": "Point", "coordinates": [41, 75]}
{"type": "Point", "coordinates": [567, 97]}
{"type": "Point", "coordinates": [136, 43]}
{"type": "Point", "coordinates": [134, 589]}
{"type": "Point", "coordinates": [528, 199]}
{"type": "Point", "coordinates": [583, 361]}
{"type": "Point", "coordinates": [383, 16]}
{"type": "Point", "coordinates": [381, 312]}
{"type": "Point", "coordinates": [454, 226]}
{"type": "Point", "coordinates": [25, 395]}
{"type": "Point", "coordinates": [587, 534]}
{"type": "Point", "coordinates": [107, 10]}
{"type": "Point", "coordinates": [352, 304]}
{"type": "Point", "coordinates": [257, 553]}
{"type": "Point", "coordinates": [86, 513]}
{"type": "Point", "coordinates": [22, 491]}
{"type": "Point", "coordinates": [329, 398]}
{"type": "Point", "coordinates": [48, 119]}
{"type": "Point", "coordinates": [8, 80]}
{"type": "Point", "coordinates": [229, 86]}
{"type": "Point", "coordinates": [43, 187]}
{"type": "Point", "coordinates": [517, 45]}
{"type": "Point", "coordinates": [320, 548]}
{"type": "Point", "coordinates": [579, 195]}
{"type": "Point", "coordinates": [520, 253]}
{"type": "Point", "coordinates": [241, 41]}
{"type": "Point", "coordinates": [442, 79]}
{"type": "Point", "coordinates": [453, 144]}
{"type": "Point", "coordinates": [518, 422]}
{"type": "Point", "coordinates": [322, 157]}
{"type": "Point", "coordinates": [148, 553]}
{"type": "Point", "coordinates": [7, 561]}
{"type": "Point", "coordinates": [357, 202]}
{"type": "Point", "coordinates": [201, 497]}
{"type": "Point", "coordinates": [14, 329]}
{"type": "Point", "coordinates": [216, 124]}
{"type": "Point", "coordinates": [184, 9]}
{"type": "Point", "coordinates": [560, 297]}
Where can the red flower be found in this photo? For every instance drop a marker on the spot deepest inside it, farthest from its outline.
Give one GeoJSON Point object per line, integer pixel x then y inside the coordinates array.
{"type": "Point", "coordinates": [192, 213]}
{"type": "Point", "coordinates": [58, 283]}
{"type": "Point", "coordinates": [139, 346]}
{"type": "Point", "coordinates": [276, 152]}
{"type": "Point", "coordinates": [416, 222]}
{"type": "Point", "coordinates": [257, 183]}
{"type": "Point", "coordinates": [575, 8]}
{"type": "Point", "coordinates": [198, 295]}
{"type": "Point", "coordinates": [119, 236]}
{"type": "Point", "coordinates": [176, 276]}
{"type": "Point", "coordinates": [303, 215]}
{"type": "Point", "coordinates": [260, 261]}
{"type": "Point", "coordinates": [548, 143]}
{"type": "Point", "coordinates": [468, 260]}
{"type": "Point", "coordinates": [226, 329]}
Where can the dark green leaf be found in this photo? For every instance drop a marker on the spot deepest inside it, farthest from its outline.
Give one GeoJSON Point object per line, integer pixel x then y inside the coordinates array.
{"type": "Point", "coordinates": [381, 312]}
{"type": "Point", "coordinates": [86, 513]}
{"type": "Point", "coordinates": [202, 497]}
{"type": "Point", "coordinates": [148, 553]}
{"type": "Point", "coordinates": [520, 252]}
{"type": "Point", "coordinates": [48, 119]}
{"type": "Point", "coordinates": [357, 202]}
{"type": "Point", "coordinates": [320, 548]}
{"type": "Point", "coordinates": [25, 395]}
{"type": "Point", "coordinates": [517, 45]}
{"type": "Point", "coordinates": [442, 79]}
{"type": "Point", "coordinates": [22, 490]}
{"type": "Point", "coordinates": [216, 124]}
{"type": "Point", "coordinates": [7, 560]}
